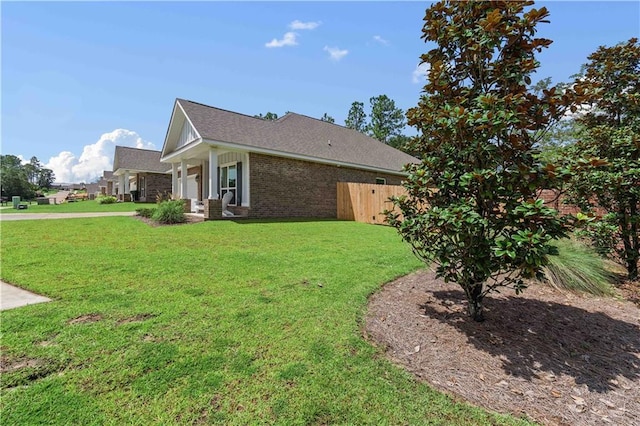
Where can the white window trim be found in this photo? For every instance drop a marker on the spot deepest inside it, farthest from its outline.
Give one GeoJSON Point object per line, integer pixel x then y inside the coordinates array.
{"type": "Point", "coordinates": [222, 166]}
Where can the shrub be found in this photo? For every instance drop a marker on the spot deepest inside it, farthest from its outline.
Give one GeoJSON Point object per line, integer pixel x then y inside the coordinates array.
{"type": "Point", "coordinates": [145, 211]}
{"type": "Point", "coordinates": [106, 199]}
{"type": "Point", "coordinates": [601, 233]}
{"type": "Point", "coordinates": [163, 196]}
{"type": "Point", "coordinates": [579, 268]}
{"type": "Point", "coordinates": [169, 212]}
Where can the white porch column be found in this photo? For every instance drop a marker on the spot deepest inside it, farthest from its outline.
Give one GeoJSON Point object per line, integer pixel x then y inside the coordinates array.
{"type": "Point", "coordinates": [213, 173]}
{"type": "Point", "coordinates": [183, 179]}
{"type": "Point", "coordinates": [120, 184]}
{"type": "Point", "coordinates": [205, 180]}
{"type": "Point", "coordinates": [126, 183]}
{"type": "Point", "coordinates": [174, 180]}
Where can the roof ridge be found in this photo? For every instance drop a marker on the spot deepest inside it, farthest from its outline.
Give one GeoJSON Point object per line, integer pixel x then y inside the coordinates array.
{"type": "Point", "coordinates": [139, 149]}
{"type": "Point", "coordinates": [322, 121]}
{"type": "Point", "coordinates": [221, 109]}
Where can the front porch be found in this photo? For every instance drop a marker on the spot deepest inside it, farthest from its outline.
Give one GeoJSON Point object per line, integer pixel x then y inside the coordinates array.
{"type": "Point", "coordinates": [203, 176]}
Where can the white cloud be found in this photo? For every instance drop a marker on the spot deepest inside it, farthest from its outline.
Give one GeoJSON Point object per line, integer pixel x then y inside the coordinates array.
{"type": "Point", "coordinates": [289, 39]}
{"type": "Point", "coordinates": [381, 40]}
{"type": "Point", "coordinates": [419, 74]}
{"type": "Point", "coordinates": [299, 25]}
{"type": "Point", "coordinates": [335, 54]}
{"type": "Point", "coordinates": [581, 111]}
{"type": "Point", "coordinates": [95, 158]}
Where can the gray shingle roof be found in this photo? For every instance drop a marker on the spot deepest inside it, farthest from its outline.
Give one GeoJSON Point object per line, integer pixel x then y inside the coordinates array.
{"type": "Point", "coordinates": [295, 134]}
{"type": "Point", "coordinates": [135, 159]}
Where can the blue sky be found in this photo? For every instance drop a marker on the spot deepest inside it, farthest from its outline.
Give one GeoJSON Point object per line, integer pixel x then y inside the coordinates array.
{"type": "Point", "coordinates": [80, 77]}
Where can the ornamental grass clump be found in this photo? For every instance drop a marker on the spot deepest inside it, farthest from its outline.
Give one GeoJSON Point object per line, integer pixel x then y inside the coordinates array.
{"type": "Point", "coordinates": [146, 211]}
{"type": "Point", "coordinates": [578, 268]}
{"type": "Point", "coordinates": [106, 199]}
{"type": "Point", "coordinates": [169, 212]}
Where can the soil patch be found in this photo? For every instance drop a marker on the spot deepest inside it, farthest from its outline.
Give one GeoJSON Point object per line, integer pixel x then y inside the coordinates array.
{"type": "Point", "coordinates": [556, 357]}
{"type": "Point", "coordinates": [22, 371]}
{"type": "Point", "coordinates": [8, 365]}
{"type": "Point", "coordinates": [85, 319]}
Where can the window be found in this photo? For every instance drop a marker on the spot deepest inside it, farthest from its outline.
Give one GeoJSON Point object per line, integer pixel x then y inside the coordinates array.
{"type": "Point", "coordinates": [142, 187]}
{"type": "Point", "coordinates": [228, 181]}
{"type": "Point", "coordinates": [381, 181]}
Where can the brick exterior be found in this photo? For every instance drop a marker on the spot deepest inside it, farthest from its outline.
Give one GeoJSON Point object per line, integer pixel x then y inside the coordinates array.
{"type": "Point", "coordinates": [186, 203]}
{"type": "Point", "coordinates": [212, 209]}
{"type": "Point", "coordinates": [282, 187]}
{"type": "Point", "coordinates": [552, 200]}
{"type": "Point", "coordinates": [156, 183]}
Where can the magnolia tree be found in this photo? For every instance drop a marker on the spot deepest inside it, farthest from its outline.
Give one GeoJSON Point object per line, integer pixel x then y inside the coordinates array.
{"type": "Point", "coordinates": [471, 207]}
{"type": "Point", "coordinates": [607, 171]}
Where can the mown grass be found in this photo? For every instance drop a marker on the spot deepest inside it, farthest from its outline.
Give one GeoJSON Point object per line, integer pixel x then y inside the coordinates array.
{"type": "Point", "coordinates": [88, 206]}
{"type": "Point", "coordinates": [215, 323]}
{"type": "Point", "coordinates": [579, 268]}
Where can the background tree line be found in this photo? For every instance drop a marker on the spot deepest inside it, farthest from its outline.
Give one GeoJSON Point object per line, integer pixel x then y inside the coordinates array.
{"type": "Point", "coordinates": [23, 180]}
{"type": "Point", "coordinates": [385, 122]}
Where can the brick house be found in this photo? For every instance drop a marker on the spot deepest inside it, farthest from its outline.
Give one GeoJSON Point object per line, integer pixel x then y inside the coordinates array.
{"type": "Point", "coordinates": [106, 183]}
{"type": "Point", "coordinates": [139, 171]}
{"type": "Point", "coordinates": [289, 167]}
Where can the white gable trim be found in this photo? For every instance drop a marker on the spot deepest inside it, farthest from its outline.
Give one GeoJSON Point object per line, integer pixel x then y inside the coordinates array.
{"type": "Point", "coordinates": [187, 135]}
{"type": "Point", "coordinates": [173, 138]}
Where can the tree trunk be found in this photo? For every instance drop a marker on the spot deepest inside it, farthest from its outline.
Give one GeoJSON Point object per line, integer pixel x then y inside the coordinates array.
{"type": "Point", "coordinates": [632, 270]}
{"type": "Point", "coordinates": [474, 298]}
{"type": "Point", "coordinates": [630, 252]}
{"type": "Point", "coordinates": [633, 253]}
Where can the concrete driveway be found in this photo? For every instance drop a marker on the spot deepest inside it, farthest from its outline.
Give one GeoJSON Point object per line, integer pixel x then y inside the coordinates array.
{"type": "Point", "coordinates": [14, 297]}
{"type": "Point", "coordinates": [34, 216]}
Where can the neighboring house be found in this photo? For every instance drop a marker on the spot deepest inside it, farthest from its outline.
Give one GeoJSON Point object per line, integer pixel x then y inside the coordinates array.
{"type": "Point", "coordinates": [139, 170]}
{"type": "Point", "coordinates": [289, 167]}
{"type": "Point", "coordinates": [93, 190]}
{"type": "Point", "coordinates": [106, 183]}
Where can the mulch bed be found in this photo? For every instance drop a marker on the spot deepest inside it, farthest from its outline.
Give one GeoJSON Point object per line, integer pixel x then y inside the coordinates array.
{"type": "Point", "coordinates": [189, 219]}
{"type": "Point", "coordinates": [556, 357]}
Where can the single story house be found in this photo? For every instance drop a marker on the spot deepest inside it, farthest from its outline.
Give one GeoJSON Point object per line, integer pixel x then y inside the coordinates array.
{"type": "Point", "coordinates": [289, 167]}
{"type": "Point", "coordinates": [106, 183]}
{"type": "Point", "coordinates": [93, 190]}
{"type": "Point", "coordinates": [139, 172]}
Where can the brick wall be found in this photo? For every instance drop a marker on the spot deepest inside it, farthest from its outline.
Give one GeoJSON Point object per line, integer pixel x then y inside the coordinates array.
{"type": "Point", "coordinates": [282, 187]}
{"type": "Point", "coordinates": [155, 183]}
{"type": "Point", "coordinates": [552, 199]}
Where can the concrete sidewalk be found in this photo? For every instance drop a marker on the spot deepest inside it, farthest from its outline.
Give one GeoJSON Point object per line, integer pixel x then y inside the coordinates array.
{"type": "Point", "coordinates": [14, 297]}
{"type": "Point", "coordinates": [35, 216]}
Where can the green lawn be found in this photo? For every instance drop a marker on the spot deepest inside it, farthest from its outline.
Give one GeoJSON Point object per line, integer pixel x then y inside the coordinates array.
{"type": "Point", "coordinates": [212, 323]}
{"type": "Point", "coordinates": [78, 207]}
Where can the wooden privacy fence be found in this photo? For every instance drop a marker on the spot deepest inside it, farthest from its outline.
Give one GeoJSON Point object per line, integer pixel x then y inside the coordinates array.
{"type": "Point", "coordinates": [365, 202]}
